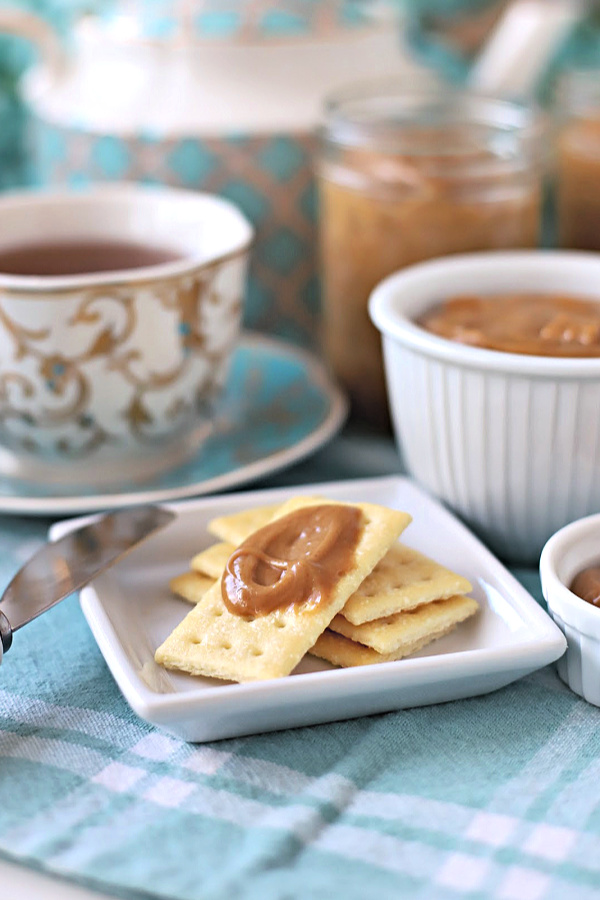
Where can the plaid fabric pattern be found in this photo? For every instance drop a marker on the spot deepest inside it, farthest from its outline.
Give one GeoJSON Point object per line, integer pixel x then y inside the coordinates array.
{"type": "Point", "coordinates": [493, 797]}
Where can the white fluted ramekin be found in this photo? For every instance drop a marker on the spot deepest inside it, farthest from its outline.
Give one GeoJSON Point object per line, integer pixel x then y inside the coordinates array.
{"type": "Point", "coordinates": [573, 548]}
{"type": "Point", "coordinates": [511, 442]}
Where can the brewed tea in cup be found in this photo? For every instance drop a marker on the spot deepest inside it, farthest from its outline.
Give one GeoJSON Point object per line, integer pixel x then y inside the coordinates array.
{"type": "Point", "coordinates": [120, 308]}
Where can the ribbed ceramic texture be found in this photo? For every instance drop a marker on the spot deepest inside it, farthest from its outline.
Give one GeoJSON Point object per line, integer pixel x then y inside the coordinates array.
{"type": "Point", "coordinates": [270, 178]}
{"type": "Point", "coordinates": [579, 667]}
{"type": "Point", "coordinates": [515, 456]}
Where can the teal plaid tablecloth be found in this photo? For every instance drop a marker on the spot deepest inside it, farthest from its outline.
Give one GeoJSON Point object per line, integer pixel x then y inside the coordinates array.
{"type": "Point", "coordinates": [493, 797]}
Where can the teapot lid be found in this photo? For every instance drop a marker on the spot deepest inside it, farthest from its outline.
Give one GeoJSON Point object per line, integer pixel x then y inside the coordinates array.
{"type": "Point", "coordinates": [118, 84]}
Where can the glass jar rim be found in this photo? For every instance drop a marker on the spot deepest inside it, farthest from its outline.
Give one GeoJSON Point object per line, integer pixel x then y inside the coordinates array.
{"type": "Point", "coordinates": [374, 115]}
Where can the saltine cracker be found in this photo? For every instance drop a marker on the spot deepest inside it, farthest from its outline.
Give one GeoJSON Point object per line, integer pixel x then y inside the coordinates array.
{"type": "Point", "coordinates": [213, 560]}
{"type": "Point", "coordinates": [236, 527]}
{"type": "Point", "coordinates": [402, 580]}
{"type": "Point", "coordinates": [191, 586]}
{"type": "Point", "coordinates": [214, 642]}
{"type": "Point", "coordinates": [342, 651]}
{"type": "Point", "coordinates": [388, 634]}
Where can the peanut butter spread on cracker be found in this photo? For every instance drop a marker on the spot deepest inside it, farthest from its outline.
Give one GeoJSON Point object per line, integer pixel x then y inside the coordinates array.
{"type": "Point", "coordinates": [297, 559]}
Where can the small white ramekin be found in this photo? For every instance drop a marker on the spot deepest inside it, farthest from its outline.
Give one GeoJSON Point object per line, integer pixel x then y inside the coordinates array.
{"type": "Point", "coordinates": [573, 548]}
{"type": "Point", "coordinates": [511, 442]}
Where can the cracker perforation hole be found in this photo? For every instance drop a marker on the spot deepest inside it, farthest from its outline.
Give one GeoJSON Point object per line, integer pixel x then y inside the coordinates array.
{"type": "Point", "coordinates": [226, 645]}
{"type": "Point", "coordinates": [280, 624]}
{"type": "Point", "coordinates": [254, 651]}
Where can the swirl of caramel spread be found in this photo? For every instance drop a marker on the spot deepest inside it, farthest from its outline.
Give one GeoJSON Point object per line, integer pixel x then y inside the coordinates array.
{"type": "Point", "coordinates": [535, 324]}
{"type": "Point", "coordinates": [294, 561]}
{"type": "Point", "coordinates": [587, 585]}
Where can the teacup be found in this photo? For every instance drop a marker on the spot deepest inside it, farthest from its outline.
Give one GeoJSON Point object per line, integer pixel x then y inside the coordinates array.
{"type": "Point", "coordinates": [120, 308]}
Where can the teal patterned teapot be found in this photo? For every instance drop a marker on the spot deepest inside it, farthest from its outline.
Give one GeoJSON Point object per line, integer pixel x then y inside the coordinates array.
{"type": "Point", "coordinates": [218, 96]}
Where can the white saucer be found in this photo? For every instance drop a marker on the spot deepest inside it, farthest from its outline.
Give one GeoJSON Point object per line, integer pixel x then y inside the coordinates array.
{"type": "Point", "coordinates": [280, 407]}
{"type": "Point", "coordinates": [131, 610]}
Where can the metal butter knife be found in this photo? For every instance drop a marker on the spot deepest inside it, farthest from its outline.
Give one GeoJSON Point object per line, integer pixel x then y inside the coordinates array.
{"type": "Point", "coordinates": [62, 567]}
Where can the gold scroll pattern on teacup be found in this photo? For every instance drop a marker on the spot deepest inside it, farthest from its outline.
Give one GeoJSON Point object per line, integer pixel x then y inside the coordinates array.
{"type": "Point", "coordinates": [50, 402]}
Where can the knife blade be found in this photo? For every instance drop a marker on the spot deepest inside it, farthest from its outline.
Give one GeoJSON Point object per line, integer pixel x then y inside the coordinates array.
{"type": "Point", "coordinates": [61, 567]}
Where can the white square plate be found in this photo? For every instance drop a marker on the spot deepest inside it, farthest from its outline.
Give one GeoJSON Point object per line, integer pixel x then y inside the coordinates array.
{"type": "Point", "coordinates": [130, 612]}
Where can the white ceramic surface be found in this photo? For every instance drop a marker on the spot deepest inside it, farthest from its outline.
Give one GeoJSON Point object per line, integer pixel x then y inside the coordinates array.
{"type": "Point", "coordinates": [510, 442]}
{"type": "Point", "coordinates": [573, 548]}
{"type": "Point", "coordinates": [112, 83]}
{"type": "Point", "coordinates": [111, 376]}
{"type": "Point", "coordinates": [217, 466]}
{"type": "Point", "coordinates": [130, 611]}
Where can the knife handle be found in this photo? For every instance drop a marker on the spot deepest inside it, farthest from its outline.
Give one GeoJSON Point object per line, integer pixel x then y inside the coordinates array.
{"type": "Point", "coordinates": [5, 634]}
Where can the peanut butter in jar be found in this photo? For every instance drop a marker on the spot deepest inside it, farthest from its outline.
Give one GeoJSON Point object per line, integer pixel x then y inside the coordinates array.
{"type": "Point", "coordinates": [408, 177]}
{"type": "Point", "coordinates": [578, 160]}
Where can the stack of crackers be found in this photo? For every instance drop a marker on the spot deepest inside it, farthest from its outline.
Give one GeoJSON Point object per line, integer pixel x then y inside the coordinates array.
{"type": "Point", "coordinates": [389, 604]}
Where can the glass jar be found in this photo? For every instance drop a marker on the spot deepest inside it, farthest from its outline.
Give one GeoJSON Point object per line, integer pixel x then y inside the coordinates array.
{"type": "Point", "coordinates": [578, 160]}
{"type": "Point", "coordinates": [405, 177]}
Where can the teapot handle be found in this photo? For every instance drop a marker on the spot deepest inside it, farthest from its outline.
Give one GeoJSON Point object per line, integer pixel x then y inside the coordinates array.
{"type": "Point", "coordinates": [24, 24]}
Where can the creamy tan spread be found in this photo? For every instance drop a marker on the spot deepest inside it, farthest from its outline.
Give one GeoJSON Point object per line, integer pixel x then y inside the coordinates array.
{"type": "Point", "coordinates": [295, 560]}
{"type": "Point", "coordinates": [535, 324]}
{"type": "Point", "coordinates": [587, 585]}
